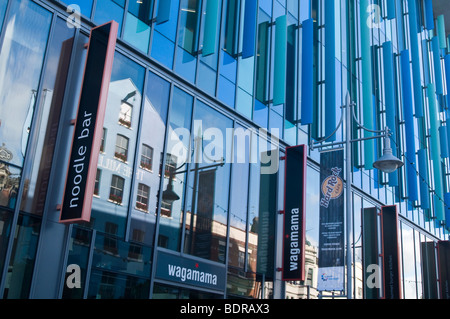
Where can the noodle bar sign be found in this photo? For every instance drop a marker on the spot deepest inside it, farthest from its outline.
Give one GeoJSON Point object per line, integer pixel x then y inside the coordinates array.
{"type": "Point", "coordinates": [80, 178]}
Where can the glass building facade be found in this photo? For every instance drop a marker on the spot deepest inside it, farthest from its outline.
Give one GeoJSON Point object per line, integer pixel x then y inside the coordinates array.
{"type": "Point", "coordinates": [205, 96]}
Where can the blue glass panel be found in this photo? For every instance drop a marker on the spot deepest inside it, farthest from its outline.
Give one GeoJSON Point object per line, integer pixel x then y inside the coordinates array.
{"type": "Point", "coordinates": [435, 151]}
{"type": "Point", "coordinates": [163, 14]}
{"type": "Point", "coordinates": [210, 27]}
{"type": "Point", "coordinates": [409, 126]}
{"type": "Point", "coordinates": [206, 79]}
{"type": "Point", "coordinates": [137, 27]}
{"type": "Point", "coordinates": [389, 87]}
{"type": "Point", "coordinates": [21, 60]}
{"type": "Point", "coordinates": [426, 61]}
{"type": "Point", "coordinates": [305, 9]}
{"type": "Point", "coordinates": [437, 65]}
{"type": "Point", "coordinates": [85, 6]}
{"type": "Point", "coordinates": [261, 114]}
{"type": "Point", "coordinates": [244, 103]}
{"type": "Point", "coordinates": [228, 66]}
{"type": "Point", "coordinates": [429, 17]}
{"type": "Point", "coordinates": [307, 71]}
{"type": "Point", "coordinates": [185, 64]}
{"type": "Point", "coordinates": [443, 140]}
{"type": "Point", "coordinates": [266, 5]}
{"type": "Point", "coordinates": [230, 30]}
{"type": "Point", "coordinates": [226, 92]}
{"type": "Point", "coordinates": [162, 49]}
{"type": "Point", "coordinates": [2, 12]}
{"type": "Point", "coordinates": [447, 77]}
{"type": "Point", "coordinates": [447, 209]}
{"type": "Point", "coordinates": [248, 46]}
{"type": "Point", "coordinates": [107, 10]}
{"type": "Point", "coordinates": [441, 32]}
{"type": "Point", "coordinates": [413, 30]}
{"type": "Point", "coordinates": [279, 89]}
{"type": "Point", "coordinates": [169, 28]}
{"type": "Point", "coordinates": [330, 70]}
{"type": "Point", "coordinates": [276, 124]}
{"type": "Point", "coordinates": [423, 178]}
{"type": "Point", "coordinates": [391, 9]}
{"type": "Point", "coordinates": [367, 79]}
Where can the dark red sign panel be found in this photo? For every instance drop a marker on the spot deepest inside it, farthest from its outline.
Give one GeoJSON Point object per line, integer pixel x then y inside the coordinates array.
{"type": "Point", "coordinates": [294, 214]}
{"type": "Point", "coordinates": [444, 268]}
{"type": "Point", "coordinates": [80, 180]}
{"type": "Point", "coordinates": [391, 255]}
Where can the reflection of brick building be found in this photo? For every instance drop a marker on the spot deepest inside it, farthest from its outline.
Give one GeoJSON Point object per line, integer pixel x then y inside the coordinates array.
{"type": "Point", "coordinates": [8, 186]}
{"type": "Point", "coordinates": [306, 289]}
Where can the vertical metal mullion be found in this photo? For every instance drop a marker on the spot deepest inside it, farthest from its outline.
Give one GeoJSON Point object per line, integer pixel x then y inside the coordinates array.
{"type": "Point", "coordinates": [94, 8]}
{"type": "Point", "coordinates": [124, 20]}
{"type": "Point", "coordinates": [136, 159]}
{"type": "Point", "coordinates": [247, 223]}
{"type": "Point", "coordinates": [255, 59]}
{"type": "Point", "coordinates": [227, 240]}
{"type": "Point", "coordinates": [236, 85]}
{"type": "Point", "coordinates": [31, 149]}
{"type": "Point", "coordinates": [27, 162]}
{"type": "Point", "coordinates": [199, 35]}
{"type": "Point", "coordinates": [161, 186]}
{"type": "Point", "coordinates": [221, 44]}
{"type": "Point", "coordinates": [62, 276]}
{"type": "Point", "coordinates": [152, 28]}
{"type": "Point", "coordinates": [176, 35]}
{"type": "Point", "coordinates": [188, 169]}
{"type": "Point", "coordinates": [89, 264]}
{"type": "Point", "coordinates": [3, 28]}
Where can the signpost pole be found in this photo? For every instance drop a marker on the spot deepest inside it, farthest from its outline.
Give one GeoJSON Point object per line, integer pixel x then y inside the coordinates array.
{"type": "Point", "coordinates": [348, 185]}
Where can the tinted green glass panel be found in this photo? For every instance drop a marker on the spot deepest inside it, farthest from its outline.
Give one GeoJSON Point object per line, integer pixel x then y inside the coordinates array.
{"type": "Point", "coordinates": [210, 29]}
{"type": "Point", "coordinates": [279, 90]}
{"type": "Point", "coordinates": [261, 62]}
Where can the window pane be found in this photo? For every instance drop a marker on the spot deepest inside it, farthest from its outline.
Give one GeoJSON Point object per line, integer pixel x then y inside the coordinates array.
{"type": "Point", "coordinates": [409, 272]}
{"type": "Point", "coordinates": [21, 264]}
{"type": "Point", "coordinates": [5, 226]}
{"type": "Point", "coordinates": [238, 197]}
{"type": "Point", "coordinates": [177, 145]}
{"type": "Point", "coordinates": [138, 23]}
{"type": "Point", "coordinates": [22, 53]}
{"type": "Point", "coordinates": [53, 90]}
{"type": "Point", "coordinates": [207, 194]}
{"type": "Point", "coordinates": [121, 124]}
{"type": "Point", "coordinates": [107, 10]}
{"type": "Point", "coordinates": [163, 45]}
{"type": "Point", "coordinates": [85, 6]}
{"type": "Point", "coordinates": [80, 242]}
{"type": "Point", "coordinates": [189, 23]}
{"type": "Point", "coordinates": [154, 116]}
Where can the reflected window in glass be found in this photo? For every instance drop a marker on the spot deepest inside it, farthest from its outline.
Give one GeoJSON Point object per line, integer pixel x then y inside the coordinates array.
{"type": "Point", "coordinates": [116, 190]}
{"type": "Point", "coordinates": [142, 197]}
{"type": "Point", "coordinates": [147, 157]}
{"type": "Point", "coordinates": [121, 148]}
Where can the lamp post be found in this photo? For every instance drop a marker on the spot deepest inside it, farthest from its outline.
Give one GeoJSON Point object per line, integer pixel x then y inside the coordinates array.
{"type": "Point", "coordinates": [386, 163]}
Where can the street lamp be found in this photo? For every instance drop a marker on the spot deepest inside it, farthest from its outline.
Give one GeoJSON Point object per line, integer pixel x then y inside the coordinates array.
{"type": "Point", "coordinates": [386, 163]}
